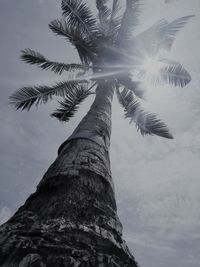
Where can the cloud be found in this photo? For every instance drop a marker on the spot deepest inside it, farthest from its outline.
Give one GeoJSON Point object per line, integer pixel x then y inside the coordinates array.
{"type": "Point", "coordinates": [170, 1]}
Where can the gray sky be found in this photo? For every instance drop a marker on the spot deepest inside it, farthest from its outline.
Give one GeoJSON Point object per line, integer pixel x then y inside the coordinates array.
{"type": "Point", "coordinates": [157, 181]}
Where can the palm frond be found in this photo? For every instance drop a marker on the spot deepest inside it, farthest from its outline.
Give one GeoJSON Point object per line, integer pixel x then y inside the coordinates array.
{"type": "Point", "coordinates": [174, 74]}
{"type": "Point", "coordinates": [108, 19]}
{"type": "Point", "coordinates": [115, 19]}
{"type": "Point", "coordinates": [85, 47]}
{"type": "Point", "coordinates": [115, 9]}
{"type": "Point", "coordinates": [159, 36]}
{"type": "Point", "coordinates": [129, 21]}
{"type": "Point", "coordinates": [146, 123]}
{"type": "Point", "coordinates": [103, 14]}
{"type": "Point", "coordinates": [147, 42]}
{"type": "Point", "coordinates": [171, 72]}
{"type": "Point", "coordinates": [61, 27]}
{"type": "Point", "coordinates": [27, 96]}
{"type": "Point", "coordinates": [169, 32]}
{"type": "Point", "coordinates": [35, 58]}
{"type": "Point", "coordinates": [70, 105]}
{"type": "Point", "coordinates": [134, 86]}
{"type": "Point", "coordinates": [79, 15]}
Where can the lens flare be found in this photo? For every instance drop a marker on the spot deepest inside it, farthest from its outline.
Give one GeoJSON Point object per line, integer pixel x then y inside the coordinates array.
{"type": "Point", "coordinates": [150, 67]}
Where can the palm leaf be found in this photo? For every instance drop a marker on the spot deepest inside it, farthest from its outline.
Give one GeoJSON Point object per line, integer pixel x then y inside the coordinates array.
{"type": "Point", "coordinates": [134, 86]}
{"type": "Point", "coordinates": [169, 33]}
{"type": "Point", "coordinates": [85, 47]}
{"type": "Point", "coordinates": [70, 105]}
{"type": "Point", "coordinates": [79, 15]}
{"type": "Point", "coordinates": [159, 36]}
{"type": "Point", "coordinates": [32, 57]}
{"type": "Point", "coordinates": [129, 21]}
{"type": "Point", "coordinates": [27, 96]}
{"type": "Point", "coordinates": [115, 19]}
{"type": "Point", "coordinates": [103, 14]}
{"type": "Point", "coordinates": [145, 122]}
{"type": "Point", "coordinates": [109, 21]}
{"type": "Point", "coordinates": [171, 72]}
{"type": "Point", "coordinates": [174, 74]}
{"type": "Point", "coordinates": [148, 41]}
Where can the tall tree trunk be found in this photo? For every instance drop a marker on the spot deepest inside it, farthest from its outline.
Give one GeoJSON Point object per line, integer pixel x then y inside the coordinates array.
{"type": "Point", "coordinates": [71, 219]}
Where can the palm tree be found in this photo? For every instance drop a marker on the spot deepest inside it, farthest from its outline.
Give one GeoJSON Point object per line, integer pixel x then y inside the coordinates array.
{"type": "Point", "coordinates": [71, 219]}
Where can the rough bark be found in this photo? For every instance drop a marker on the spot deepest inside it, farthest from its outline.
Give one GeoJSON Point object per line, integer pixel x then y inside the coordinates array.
{"type": "Point", "coordinates": [71, 219]}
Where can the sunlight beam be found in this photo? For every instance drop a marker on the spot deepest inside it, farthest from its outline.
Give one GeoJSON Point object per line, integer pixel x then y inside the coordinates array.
{"type": "Point", "coordinates": [149, 69]}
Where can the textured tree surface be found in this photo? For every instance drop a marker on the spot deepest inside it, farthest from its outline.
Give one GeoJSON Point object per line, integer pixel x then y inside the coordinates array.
{"type": "Point", "coordinates": [71, 219]}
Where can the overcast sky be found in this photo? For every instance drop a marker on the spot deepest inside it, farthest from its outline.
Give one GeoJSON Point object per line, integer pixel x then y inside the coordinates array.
{"type": "Point", "coordinates": [157, 181]}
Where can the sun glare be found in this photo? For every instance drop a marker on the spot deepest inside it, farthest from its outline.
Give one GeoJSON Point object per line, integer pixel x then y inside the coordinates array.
{"type": "Point", "coordinates": [151, 65]}
{"type": "Point", "coordinates": [149, 68]}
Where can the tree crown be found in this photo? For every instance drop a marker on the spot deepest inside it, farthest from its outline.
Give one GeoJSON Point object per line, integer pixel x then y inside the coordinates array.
{"type": "Point", "coordinates": [109, 50]}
